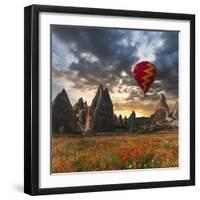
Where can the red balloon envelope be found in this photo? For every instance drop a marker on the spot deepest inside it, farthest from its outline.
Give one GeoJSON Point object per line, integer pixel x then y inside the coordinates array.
{"type": "Point", "coordinates": [145, 74]}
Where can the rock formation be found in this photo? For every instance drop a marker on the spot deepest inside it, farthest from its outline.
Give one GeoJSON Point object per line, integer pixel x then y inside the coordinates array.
{"type": "Point", "coordinates": [81, 109]}
{"type": "Point", "coordinates": [174, 112]}
{"type": "Point", "coordinates": [131, 122]}
{"type": "Point", "coordinates": [137, 123]}
{"type": "Point", "coordinates": [80, 105]}
{"type": "Point", "coordinates": [120, 121]}
{"type": "Point", "coordinates": [125, 122]}
{"type": "Point", "coordinates": [101, 111]}
{"type": "Point", "coordinates": [63, 116]}
{"type": "Point", "coordinates": [88, 122]}
{"type": "Point", "coordinates": [115, 120]}
{"type": "Point", "coordinates": [163, 117]}
{"type": "Point", "coordinates": [162, 111]}
{"type": "Point", "coordinates": [99, 117]}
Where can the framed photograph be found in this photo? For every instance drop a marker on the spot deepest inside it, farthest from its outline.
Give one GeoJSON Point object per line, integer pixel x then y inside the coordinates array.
{"type": "Point", "coordinates": [109, 100]}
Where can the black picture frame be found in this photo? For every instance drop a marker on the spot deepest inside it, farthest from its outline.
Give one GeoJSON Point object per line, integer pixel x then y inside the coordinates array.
{"type": "Point", "coordinates": [31, 98]}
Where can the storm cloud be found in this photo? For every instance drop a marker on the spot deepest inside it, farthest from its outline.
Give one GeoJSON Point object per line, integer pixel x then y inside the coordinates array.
{"type": "Point", "coordinates": [84, 57]}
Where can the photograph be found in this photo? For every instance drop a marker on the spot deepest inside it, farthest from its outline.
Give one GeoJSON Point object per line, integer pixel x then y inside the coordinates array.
{"type": "Point", "coordinates": [114, 99]}
{"type": "Point", "coordinates": [109, 99]}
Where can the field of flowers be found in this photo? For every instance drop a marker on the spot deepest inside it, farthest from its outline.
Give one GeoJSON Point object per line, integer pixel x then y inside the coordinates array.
{"type": "Point", "coordinates": [114, 152]}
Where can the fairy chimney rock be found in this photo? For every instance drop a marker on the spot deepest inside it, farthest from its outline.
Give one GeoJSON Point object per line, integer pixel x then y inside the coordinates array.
{"type": "Point", "coordinates": [101, 111]}
{"type": "Point", "coordinates": [174, 112]}
{"type": "Point", "coordinates": [131, 122]}
{"type": "Point", "coordinates": [63, 116]}
{"type": "Point", "coordinates": [161, 113]}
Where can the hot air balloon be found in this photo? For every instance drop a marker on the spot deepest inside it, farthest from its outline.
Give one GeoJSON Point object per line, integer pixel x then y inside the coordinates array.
{"type": "Point", "coordinates": [145, 74]}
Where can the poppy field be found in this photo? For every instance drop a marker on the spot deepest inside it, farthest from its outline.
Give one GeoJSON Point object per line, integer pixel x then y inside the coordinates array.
{"type": "Point", "coordinates": [122, 151]}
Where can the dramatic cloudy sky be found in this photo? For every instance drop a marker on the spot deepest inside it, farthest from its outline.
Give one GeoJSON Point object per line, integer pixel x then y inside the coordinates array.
{"type": "Point", "coordinates": [84, 57]}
